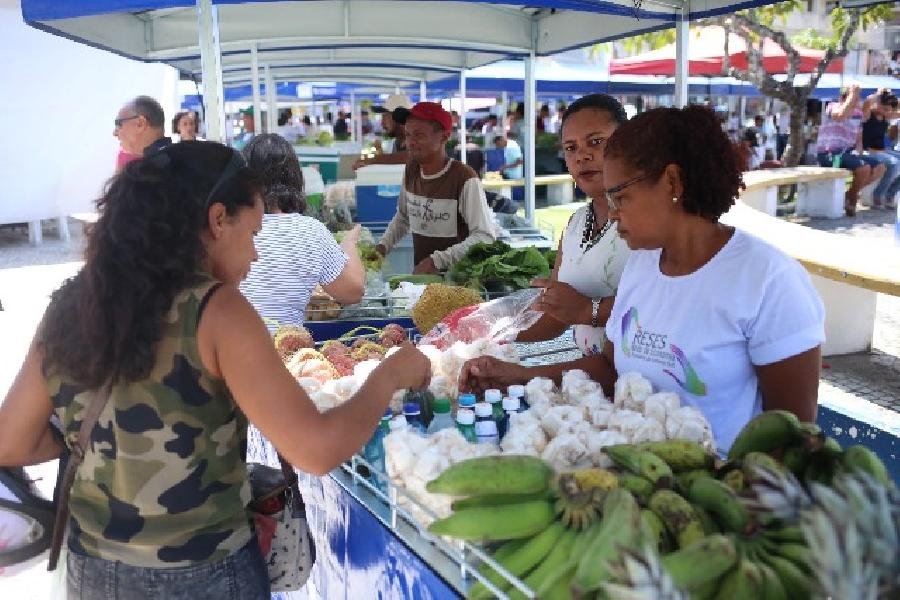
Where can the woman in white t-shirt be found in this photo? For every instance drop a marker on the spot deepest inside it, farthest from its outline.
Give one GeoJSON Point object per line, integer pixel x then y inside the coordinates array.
{"type": "Point", "coordinates": [714, 314]}
{"type": "Point", "coordinates": [591, 256]}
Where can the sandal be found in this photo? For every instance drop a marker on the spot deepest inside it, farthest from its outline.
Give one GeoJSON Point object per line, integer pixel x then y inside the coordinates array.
{"type": "Point", "coordinates": [850, 205]}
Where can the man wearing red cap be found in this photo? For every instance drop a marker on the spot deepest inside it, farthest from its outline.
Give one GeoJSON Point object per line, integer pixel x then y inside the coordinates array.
{"type": "Point", "coordinates": [442, 200]}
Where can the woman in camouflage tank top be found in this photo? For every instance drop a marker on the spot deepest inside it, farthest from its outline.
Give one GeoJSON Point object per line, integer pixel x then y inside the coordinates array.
{"type": "Point", "coordinates": [158, 505]}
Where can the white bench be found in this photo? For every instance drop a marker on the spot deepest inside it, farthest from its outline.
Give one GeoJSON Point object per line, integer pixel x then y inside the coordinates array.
{"type": "Point", "coordinates": [820, 190]}
{"type": "Point", "coordinates": [847, 272]}
{"type": "Point", "coordinates": [35, 231]}
{"type": "Point", "coordinates": [560, 187]}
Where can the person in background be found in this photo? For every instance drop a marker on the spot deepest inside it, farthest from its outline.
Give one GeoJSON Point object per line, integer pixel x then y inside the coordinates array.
{"type": "Point", "coordinates": [365, 123]}
{"type": "Point", "coordinates": [140, 127]}
{"type": "Point", "coordinates": [749, 148]}
{"type": "Point", "coordinates": [877, 112]}
{"type": "Point", "coordinates": [248, 129]}
{"type": "Point", "coordinates": [186, 124]}
{"type": "Point", "coordinates": [838, 138]}
{"type": "Point", "coordinates": [310, 129]}
{"type": "Point", "coordinates": [341, 126]}
{"type": "Point", "coordinates": [582, 286]}
{"type": "Point", "coordinates": [159, 506]}
{"type": "Point", "coordinates": [770, 162]}
{"type": "Point", "coordinates": [490, 129]}
{"type": "Point", "coordinates": [512, 157]}
{"type": "Point", "coordinates": [393, 120]}
{"type": "Point", "coordinates": [441, 200]}
{"type": "Point", "coordinates": [723, 319]}
{"type": "Point", "coordinates": [296, 252]}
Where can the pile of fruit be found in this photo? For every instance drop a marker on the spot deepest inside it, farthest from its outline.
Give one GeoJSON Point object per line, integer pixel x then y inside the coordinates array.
{"type": "Point", "coordinates": [789, 515]}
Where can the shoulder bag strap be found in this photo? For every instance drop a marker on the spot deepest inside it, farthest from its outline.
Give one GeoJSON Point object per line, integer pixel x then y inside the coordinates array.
{"type": "Point", "coordinates": [91, 414]}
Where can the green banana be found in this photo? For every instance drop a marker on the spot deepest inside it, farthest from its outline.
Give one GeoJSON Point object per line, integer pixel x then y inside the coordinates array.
{"type": "Point", "coordinates": [496, 523]}
{"type": "Point", "coordinates": [620, 529]}
{"type": "Point", "coordinates": [704, 560]}
{"type": "Point", "coordinates": [861, 459]}
{"type": "Point", "coordinates": [791, 534]}
{"type": "Point", "coordinates": [707, 591]}
{"type": "Point", "coordinates": [768, 431]}
{"type": "Point", "coordinates": [640, 462]}
{"type": "Point", "coordinates": [640, 487]}
{"type": "Point", "coordinates": [710, 526]}
{"type": "Point", "coordinates": [744, 583]}
{"type": "Point", "coordinates": [754, 460]}
{"type": "Point", "coordinates": [808, 428]}
{"type": "Point", "coordinates": [680, 455]}
{"type": "Point", "coordinates": [797, 554]}
{"type": "Point", "coordinates": [557, 587]}
{"type": "Point", "coordinates": [832, 447]}
{"type": "Point", "coordinates": [557, 559]}
{"type": "Point", "coordinates": [722, 502]}
{"type": "Point", "coordinates": [795, 459]}
{"type": "Point", "coordinates": [655, 529]}
{"type": "Point", "coordinates": [773, 589]}
{"type": "Point", "coordinates": [736, 480]}
{"type": "Point", "coordinates": [679, 517]}
{"type": "Point", "coordinates": [497, 500]}
{"type": "Point", "coordinates": [511, 474]}
{"type": "Point", "coordinates": [508, 548]}
{"type": "Point", "coordinates": [521, 561]}
{"type": "Point", "coordinates": [795, 582]}
{"type": "Point", "coordinates": [684, 481]}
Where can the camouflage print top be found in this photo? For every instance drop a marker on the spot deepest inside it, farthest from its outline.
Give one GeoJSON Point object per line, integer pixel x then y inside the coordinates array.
{"type": "Point", "coordinates": [164, 481]}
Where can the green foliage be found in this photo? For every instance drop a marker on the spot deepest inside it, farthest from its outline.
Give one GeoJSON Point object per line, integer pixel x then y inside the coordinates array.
{"type": "Point", "coordinates": [811, 38]}
{"type": "Point", "coordinates": [499, 263]}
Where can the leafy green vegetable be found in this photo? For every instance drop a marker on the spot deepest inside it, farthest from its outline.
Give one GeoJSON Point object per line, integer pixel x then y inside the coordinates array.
{"type": "Point", "coordinates": [498, 264]}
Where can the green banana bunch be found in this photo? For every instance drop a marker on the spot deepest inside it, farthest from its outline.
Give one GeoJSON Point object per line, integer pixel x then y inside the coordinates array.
{"type": "Point", "coordinates": [639, 462]}
{"type": "Point", "coordinates": [510, 474]}
{"type": "Point", "coordinates": [789, 534]}
{"type": "Point", "coordinates": [684, 480]}
{"type": "Point", "coordinates": [860, 459]}
{"type": "Point", "coordinates": [753, 460]}
{"type": "Point", "coordinates": [680, 455]}
{"type": "Point", "coordinates": [773, 589]}
{"type": "Point", "coordinates": [736, 480]}
{"type": "Point", "coordinates": [796, 583]}
{"type": "Point", "coordinates": [620, 529]}
{"type": "Point", "coordinates": [720, 500]}
{"type": "Point", "coordinates": [655, 530]}
{"type": "Point", "coordinates": [710, 526]}
{"type": "Point", "coordinates": [498, 500]}
{"type": "Point", "coordinates": [768, 431]}
{"type": "Point", "coordinates": [703, 561]}
{"type": "Point", "coordinates": [521, 560]}
{"type": "Point", "coordinates": [556, 560]}
{"type": "Point", "coordinates": [795, 459]}
{"type": "Point", "coordinates": [679, 517]}
{"type": "Point", "coordinates": [497, 523]}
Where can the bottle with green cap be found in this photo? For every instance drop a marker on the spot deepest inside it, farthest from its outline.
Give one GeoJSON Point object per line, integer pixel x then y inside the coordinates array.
{"type": "Point", "coordinates": [495, 399]}
{"type": "Point", "coordinates": [442, 418]}
{"type": "Point", "coordinates": [465, 422]}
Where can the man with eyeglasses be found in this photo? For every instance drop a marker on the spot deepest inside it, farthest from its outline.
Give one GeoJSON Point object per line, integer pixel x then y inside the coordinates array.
{"type": "Point", "coordinates": [140, 127]}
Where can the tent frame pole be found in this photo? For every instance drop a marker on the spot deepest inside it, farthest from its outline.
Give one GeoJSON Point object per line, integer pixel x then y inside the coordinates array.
{"type": "Point", "coordinates": [271, 101]}
{"type": "Point", "coordinates": [462, 117]}
{"type": "Point", "coordinates": [682, 55]}
{"type": "Point", "coordinates": [211, 70]}
{"type": "Point", "coordinates": [528, 148]}
{"type": "Point", "coordinates": [254, 82]}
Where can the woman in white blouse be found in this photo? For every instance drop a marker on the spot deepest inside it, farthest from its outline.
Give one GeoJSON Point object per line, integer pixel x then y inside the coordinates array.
{"type": "Point", "coordinates": [582, 286]}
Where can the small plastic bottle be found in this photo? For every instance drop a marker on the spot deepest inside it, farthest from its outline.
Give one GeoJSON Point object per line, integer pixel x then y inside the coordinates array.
{"type": "Point", "coordinates": [442, 418]}
{"type": "Point", "coordinates": [373, 451]}
{"type": "Point", "coordinates": [413, 415]}
{"type": "Point", "coordinates": [511, 406]}
{"type": "Point", "coordinates": [518, 391]}
{"type": "Point", "coordinates": [467, 401]}
{"type": "Point", "coordinates": [495, 399]}
{"type": "Point", "coordinates": [465, 422]}
{"type": "Point", "coordinates": [485, 425]}
{"type": "Point", "coordinates": [399, 423]}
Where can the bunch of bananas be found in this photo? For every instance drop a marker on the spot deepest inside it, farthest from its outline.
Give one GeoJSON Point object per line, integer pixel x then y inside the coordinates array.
{"type": "Point", "coordinates": [668, 521]}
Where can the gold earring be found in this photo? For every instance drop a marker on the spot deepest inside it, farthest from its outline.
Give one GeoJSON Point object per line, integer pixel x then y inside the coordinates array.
{"type": "Point", "coordinates": [674, 199]}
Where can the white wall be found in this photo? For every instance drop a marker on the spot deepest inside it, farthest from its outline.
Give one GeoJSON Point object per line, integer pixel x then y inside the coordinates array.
{"type": "Point", "coordinates": [58, 100]}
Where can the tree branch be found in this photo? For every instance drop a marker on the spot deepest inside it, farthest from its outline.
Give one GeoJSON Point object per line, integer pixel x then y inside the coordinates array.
{"type": "Point", "coordinates": [841, 50]}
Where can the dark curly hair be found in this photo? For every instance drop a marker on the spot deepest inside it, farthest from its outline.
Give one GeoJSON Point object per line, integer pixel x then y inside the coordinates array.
{"type": "Point", "coordinates": [185, 113]}
{"type": "Point", "coordinates": [691, 138]}
{"type": "Point", "coordinates": [106, 321]}
{"type": "Point", "coordinates": [597, 102]}
{"type": "Point", "coordinates": [274, 159]}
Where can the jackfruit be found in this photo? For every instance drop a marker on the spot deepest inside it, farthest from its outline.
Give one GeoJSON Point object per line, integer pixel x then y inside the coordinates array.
{"type": "Point", "coordinates": [438, 301]}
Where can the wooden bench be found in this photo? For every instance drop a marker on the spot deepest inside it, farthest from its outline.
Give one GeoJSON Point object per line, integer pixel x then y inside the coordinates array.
{"type": "Point", "coordinates": [820, 190]}
{"type": "Point", "coordinates": [848, 273]}
{"type": "Point", "coordinates": [560, 187]}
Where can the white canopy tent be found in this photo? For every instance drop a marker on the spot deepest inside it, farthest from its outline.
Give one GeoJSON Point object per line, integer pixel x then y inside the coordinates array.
{"type": "Point", "coordinates": [356, 40]}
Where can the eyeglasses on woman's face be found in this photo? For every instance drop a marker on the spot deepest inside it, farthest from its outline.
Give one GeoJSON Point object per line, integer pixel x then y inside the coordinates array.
{"type": "Point", "coordinates": [616, 203]}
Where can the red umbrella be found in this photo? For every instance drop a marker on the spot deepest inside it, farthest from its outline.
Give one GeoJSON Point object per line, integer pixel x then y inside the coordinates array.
{"type": "Point", "coordinates": [707, 51]}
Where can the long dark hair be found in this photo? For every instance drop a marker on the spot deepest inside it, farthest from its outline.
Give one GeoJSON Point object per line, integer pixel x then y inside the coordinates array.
{"type": "Point", "coordinates": [274, 159]}
{"type": "Point", "coordinates": [146, 247]}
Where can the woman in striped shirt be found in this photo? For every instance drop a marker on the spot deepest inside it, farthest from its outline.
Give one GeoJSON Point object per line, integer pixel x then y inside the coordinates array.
{"type": "Point", "coordinates": [296, 252]}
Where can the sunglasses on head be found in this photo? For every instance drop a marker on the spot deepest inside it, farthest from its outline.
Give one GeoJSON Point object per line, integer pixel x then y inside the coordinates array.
{"type": "Point", "coordinates": [122, 120]}
{"type": "Point", "coordinates": [235, 164]}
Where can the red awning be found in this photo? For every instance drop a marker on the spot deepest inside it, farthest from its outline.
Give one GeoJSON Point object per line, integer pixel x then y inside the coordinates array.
{"type": "Point", "coordinates": [706, 53]}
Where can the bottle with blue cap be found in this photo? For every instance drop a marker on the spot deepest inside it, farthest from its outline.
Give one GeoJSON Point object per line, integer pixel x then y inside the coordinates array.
{"type": "Point", "coordinates": [373, 451]}
{"type": "Point", "coordinates": [413, 414]}
{"type": "Point", "coordinates": [467, 401]}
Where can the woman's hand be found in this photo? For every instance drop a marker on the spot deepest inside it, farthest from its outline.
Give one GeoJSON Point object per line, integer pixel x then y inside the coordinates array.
{"type": "Point", "coordinates": [409, 368]}
{"type": "Point", "coordinates": [562, 302]}
{"type": "Point", "coordinates": [351, 238]}
{"type": "Point", "coordinates": [487, 372]}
